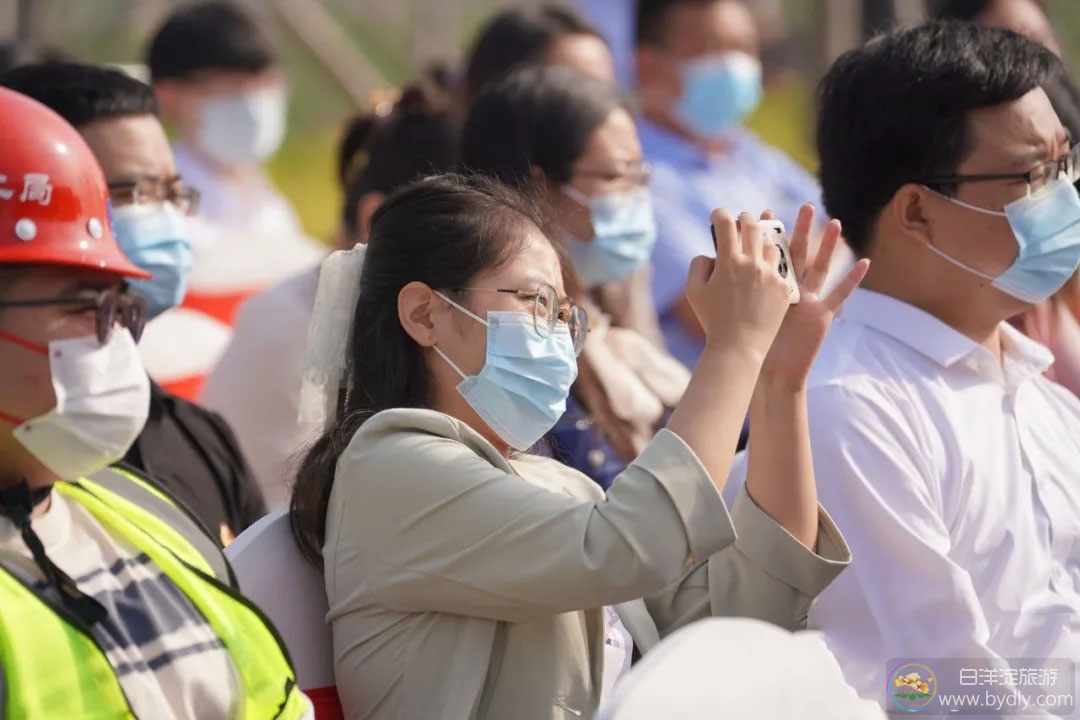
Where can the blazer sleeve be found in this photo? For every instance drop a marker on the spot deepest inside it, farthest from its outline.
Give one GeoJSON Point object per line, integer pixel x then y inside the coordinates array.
{"type": "Point", "coordinates": [424, 523]}
{"type": "Point", "coordinates": [766, 574]}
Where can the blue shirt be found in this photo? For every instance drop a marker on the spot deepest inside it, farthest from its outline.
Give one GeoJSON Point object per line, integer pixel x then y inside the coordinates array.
{"type": "Point", "coordinates": [688, 184]}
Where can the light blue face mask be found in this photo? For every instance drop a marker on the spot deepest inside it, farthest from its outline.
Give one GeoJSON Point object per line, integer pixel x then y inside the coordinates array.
{"type": "Point", "coordinates": [719, 91]}
{"type": "Point", "coordinates": [1047, 229]}
{"type": "Point", "coordinates": [243, 129]}
{"type": "Point", "coordinates": [624, 234]}
{"type": "Point", "coordinates": [155, 237]}
{"type": "Point", "coordinates": [521, 391]}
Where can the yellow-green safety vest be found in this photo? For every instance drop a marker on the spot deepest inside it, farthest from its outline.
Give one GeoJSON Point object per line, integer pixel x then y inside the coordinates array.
{"type": "Point", "coordinates": [50, 664]}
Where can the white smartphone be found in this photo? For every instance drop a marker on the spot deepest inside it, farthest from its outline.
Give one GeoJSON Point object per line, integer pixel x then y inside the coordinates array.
{"type": "Point", "coordinates": [773, 231]}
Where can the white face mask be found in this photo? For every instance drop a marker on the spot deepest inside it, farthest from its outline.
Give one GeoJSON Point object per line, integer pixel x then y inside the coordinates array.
{"type": "Point", "coordinates": [243, 129]}
{"type": "Point", "coordinates": [102, 401]}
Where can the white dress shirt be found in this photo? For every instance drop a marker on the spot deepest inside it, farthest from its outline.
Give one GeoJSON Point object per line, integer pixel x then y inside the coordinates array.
{"type": "Point", "coordinates": [956, 480]}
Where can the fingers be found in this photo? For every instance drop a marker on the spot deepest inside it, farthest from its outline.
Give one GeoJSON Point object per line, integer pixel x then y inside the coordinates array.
{"type": "Point", "coordinates": [701, 269]}
{"type": "Point", "coordinates": [725, 233]}
{"type": "Point", "coordinates": [818, 272]}
{"type": "Point", "coordinates": [768, 215]}
{"type": "Point", "coordinates": [847, 286]}
{"type": "Point", "coordinates": [799, 242]}
{"type": "Point", "coordinates": [750, 232]}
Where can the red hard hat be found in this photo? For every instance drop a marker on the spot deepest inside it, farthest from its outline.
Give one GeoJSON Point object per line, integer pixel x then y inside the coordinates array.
{"type": "Point", "coordinates": [54, 203]}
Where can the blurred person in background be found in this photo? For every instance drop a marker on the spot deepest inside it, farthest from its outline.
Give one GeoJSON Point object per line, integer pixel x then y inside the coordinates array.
{"type": "Point", "coordinates": [698, 77]}
{"type": "Point", "coordinates": [545, 35]}
{"type": "Point", "coordinates": [114, 600]}
{"type": "Point", "coordinates": [190, 451]}
{"type": "Point", "coordinates": [217, 76]}
{"type": "Point", "coordinates": [945, 456]}
{"type": "Point", "coordinates": [256, 384]}
{"type": "Point", "coordinates": [527, 587]}
{"type": "Point", "coordinates": [571, 137]}
{"type": "Point", "coordinates": [1056, 322]}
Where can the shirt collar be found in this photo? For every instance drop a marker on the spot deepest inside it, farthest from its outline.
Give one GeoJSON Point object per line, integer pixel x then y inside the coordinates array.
{"type": "Point", "coordinates": [663, 145]}
{"type": "Point", "coordinates": [928, 336]}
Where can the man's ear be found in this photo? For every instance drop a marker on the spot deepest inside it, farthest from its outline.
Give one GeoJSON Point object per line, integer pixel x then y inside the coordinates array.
{"type": "Point", "coordinates": [908, 208]}
{"type": "Point", "coordinates": [419, 309]}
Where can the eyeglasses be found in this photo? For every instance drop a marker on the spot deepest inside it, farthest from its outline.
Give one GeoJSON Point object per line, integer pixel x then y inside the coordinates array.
{"type": "Point", "coordinates": [109, 305]}
{"type": "Point", "coordinates": [183, 198]}
{"type": "Point", "coordinates": [1065, 167]}
{"type": "Point", "coordinates": [547, 312]}
{"type": "Point", "coordinates": [639, 174]}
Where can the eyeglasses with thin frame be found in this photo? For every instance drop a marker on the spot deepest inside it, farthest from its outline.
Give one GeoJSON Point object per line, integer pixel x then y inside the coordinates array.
{"type": "Point", "coordinates": [639, 174]}
{"type": "Point", "coordinates": [183, 198]}
{"type": "Point", "coordinates": [1065, 167]}
{"type": "Point", "coordinates": [109, 305]}
{"type": "Point", "coordinates": [547, 312]}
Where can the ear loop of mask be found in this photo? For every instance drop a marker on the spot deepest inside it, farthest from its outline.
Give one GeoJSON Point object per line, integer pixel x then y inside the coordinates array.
{"type": "Point", "coordinates": [32, 347]}
{"type": "Point", "coordinates": [948, 258]}
{"type": "Point", "coordinates": [471, 314]}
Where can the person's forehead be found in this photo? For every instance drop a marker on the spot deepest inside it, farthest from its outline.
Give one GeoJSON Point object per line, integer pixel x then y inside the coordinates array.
{"type": "Point", "coordinates": [220, 82]}
{"type": "Point", "coordinates": [535, 264]}
{"type": "Point", "coordinates": [130, 148]}
{"type": "Point", "coordinates": [706, 27]}
{"type": "Point", "coordinates": [1012, 132]}
{"type": "Point", "coordinates": [587, 54]}
{"type": "Point", "coordinates": [615, 139]}
{"type": "Point", "coordinates": [55, 280]}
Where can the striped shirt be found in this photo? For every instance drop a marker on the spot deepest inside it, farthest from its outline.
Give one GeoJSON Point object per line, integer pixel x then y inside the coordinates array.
{"type": "Point", "coordinates": [169, 661]}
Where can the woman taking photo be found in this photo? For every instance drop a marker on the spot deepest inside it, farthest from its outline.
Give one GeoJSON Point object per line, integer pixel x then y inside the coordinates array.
{"type": "Point", "coordinates": [468, 580]}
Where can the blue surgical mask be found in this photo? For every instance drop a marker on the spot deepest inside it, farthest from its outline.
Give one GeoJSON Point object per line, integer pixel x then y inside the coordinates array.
{"type": "Point", "coordinates": [243, 129]}
{"type": "Point", "coordinates": [1047, 229]}
{"type": "Point", "coordinates": [719, 91]}
{"type": "Point", "coordinates": [155, 237]}
{"type": "Point", "coordinates": [522, 389]}
{"type": "Point", "coordinates": [624, 234]}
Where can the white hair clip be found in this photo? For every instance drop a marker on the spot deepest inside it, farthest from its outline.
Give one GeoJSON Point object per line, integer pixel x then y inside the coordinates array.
{"type": "Point", "coordinates": [329, 335]}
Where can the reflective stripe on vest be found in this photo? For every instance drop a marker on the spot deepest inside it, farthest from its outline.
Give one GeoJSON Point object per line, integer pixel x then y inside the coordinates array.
{"type": "Point", "coordinates": [54, 668]}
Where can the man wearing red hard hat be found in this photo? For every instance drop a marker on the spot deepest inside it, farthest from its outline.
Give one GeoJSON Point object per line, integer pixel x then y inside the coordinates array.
{"type": "Point", "coordinates": [114, 602]}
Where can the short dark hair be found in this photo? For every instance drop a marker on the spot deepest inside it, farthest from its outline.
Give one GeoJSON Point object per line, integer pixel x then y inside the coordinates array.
{"type": "Point", "coordinates": [537, 117]}
{"type": "Point", "coordinates": [895, 111]}
{"type": "Point", "coordinates": [517, 37]}
{"type": "Point", "coordinates": [212, 35]}
{"type": "Point", "coordinates": [442, 231]}
{"type": "Point", "coordinates": [82, 94]}
{"type": "Point", "coordinates": [652, 16]}
{"type": "Point", "coordinates": [380, 153]}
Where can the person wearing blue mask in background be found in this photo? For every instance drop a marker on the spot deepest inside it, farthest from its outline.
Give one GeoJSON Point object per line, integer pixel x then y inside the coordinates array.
{"type": "Point", "coordinates": [192, 452]}
{"type": "Point", "coordinates": [216, 73]}
{"type": "Point", "coordinates": [698, 77]}
{"type": "Point", "coordinates": [573, 134]}
{"type": "Point", "coordinates": [946, 457]}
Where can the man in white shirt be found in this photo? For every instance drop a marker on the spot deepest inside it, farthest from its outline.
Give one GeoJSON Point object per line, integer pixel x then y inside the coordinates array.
{"type": "Point", "coordinates": [950, 463]}
{"type": "Point", "coordinates": [217, 77]}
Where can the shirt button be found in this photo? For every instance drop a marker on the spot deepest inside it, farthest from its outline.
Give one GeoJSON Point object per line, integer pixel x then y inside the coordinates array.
{"type": "Point", "coordinates": [596, 457]}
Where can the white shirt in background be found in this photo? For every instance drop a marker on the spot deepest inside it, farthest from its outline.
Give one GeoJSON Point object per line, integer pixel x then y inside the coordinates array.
{"type": "Point", "coordinates": [956, 481]}
{"type": "Point", "coordinates": [255, 385]}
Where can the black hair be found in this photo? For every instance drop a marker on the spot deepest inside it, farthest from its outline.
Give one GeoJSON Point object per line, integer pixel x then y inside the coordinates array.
{"type": "Point", "coordinates": [442, 231]}
{"type": "Point", "coordinates": [212, 35]}
{"type": "Point", "coordinates": [895, 111]}
{"type": "Point", "coordinates": [381, 152]}
{"type": "Point", "coordinates": [82, 94]}
{"type": "Point", "coordinates": [539, 116]}
{"type": "Point", "coordinates": [651, 18]}
{"type": "Point", "coordinates": [517, 37]}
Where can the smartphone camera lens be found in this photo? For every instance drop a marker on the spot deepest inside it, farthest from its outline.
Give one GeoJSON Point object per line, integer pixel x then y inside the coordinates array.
{"type": "Point", "coordinates": [783, 268]}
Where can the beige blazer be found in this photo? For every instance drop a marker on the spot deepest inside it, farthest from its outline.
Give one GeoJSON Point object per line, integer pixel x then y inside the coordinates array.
{"type": "Point", "coordinates": [462, 585]}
